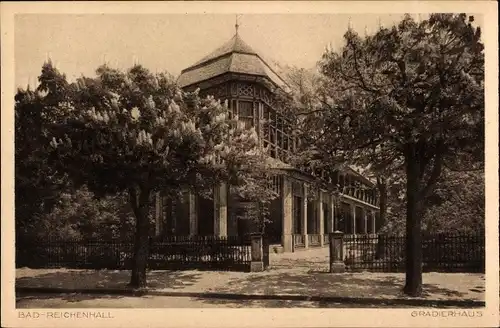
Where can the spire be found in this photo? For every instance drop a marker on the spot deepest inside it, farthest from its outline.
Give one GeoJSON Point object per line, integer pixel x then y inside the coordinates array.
{"type": "Point", "coordinates": [236, 25]}
{"type": "Point", "coordinates": [349, 25]}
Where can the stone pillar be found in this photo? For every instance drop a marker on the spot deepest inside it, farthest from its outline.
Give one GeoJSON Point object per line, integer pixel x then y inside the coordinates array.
{"type": "Point", "coordinates": [304, 217]}
{"type": "Point", "coordinates": [193, 215]}
{"type": "Point", "coordinates": [365, 216]}
{"type": "Point", "coordinates": [158, 216]}
{"type": "Point", "coordinates": [286, 215]}
{"type": "Point", "coordinates": [353, 209]}
{"type": "Point", "coordinates": [220, 212]}
{"type": "Point", "coordinates": [321, 216]}
{"type": "Point", "coordinates": [336, 252]}
{"type": "Point", "coordinates": [257, 263]}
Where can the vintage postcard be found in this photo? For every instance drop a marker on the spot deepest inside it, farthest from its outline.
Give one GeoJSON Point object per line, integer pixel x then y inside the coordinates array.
{"type": "Point", "coordinates": [247, 164]}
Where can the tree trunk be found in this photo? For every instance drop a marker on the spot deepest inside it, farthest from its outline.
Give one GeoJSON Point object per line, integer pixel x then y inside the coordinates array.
{"type": "Point", "coordinates": [141, 206]}
{"type": "Point", "coordinates": [382, 188]}
{"type": "Point", "coordinates": [413, 286]}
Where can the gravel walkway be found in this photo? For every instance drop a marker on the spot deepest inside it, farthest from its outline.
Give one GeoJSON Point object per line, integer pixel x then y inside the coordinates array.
{"type": "Point", "coordinates": [300, 273]}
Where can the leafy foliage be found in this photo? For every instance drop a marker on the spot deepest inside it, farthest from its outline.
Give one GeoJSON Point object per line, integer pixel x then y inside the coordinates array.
{"type": "Point", "coordinates": [457, 205]}
{"type": "Point", "coordinates": [139, 130]}
{"type": "Point", "coordinates": [410, 84]}
{"type": "Point", "coordinates": [79, 215]}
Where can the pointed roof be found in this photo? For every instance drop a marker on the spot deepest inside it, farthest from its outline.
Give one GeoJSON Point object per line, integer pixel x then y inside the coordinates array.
{"type": "Point", "coordinates": [235, 44]}
{"type": "Point", "coordinates": [234, 56]}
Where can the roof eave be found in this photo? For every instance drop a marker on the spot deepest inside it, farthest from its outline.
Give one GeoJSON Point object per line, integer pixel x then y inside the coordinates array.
{"type": "Point", "coordinates": [231, 72]}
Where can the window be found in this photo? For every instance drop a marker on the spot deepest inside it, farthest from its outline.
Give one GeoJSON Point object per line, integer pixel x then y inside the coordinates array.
{"type": "Point", "coordinates": [246, 109]}
{"type": "Point", "coordinates": [279, 138]}
{"type": "Point", "coordinates": [245, 90]}
{"type": "Point", "coordinates": [245, 113]}
{"type": "Point", "coordinates": [335, 177]}
{"type": "Point", "coordinates": [233, 107]}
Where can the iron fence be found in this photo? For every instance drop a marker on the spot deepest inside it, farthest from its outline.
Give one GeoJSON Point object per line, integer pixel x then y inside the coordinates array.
{"type": "Point", "coordinates": [174, 252]}
{"type": "Point", "coordinates": [441, 253]}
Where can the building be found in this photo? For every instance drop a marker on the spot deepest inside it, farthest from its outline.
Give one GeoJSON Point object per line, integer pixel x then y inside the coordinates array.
{"type": "Point", "coordinates": [299, 218]}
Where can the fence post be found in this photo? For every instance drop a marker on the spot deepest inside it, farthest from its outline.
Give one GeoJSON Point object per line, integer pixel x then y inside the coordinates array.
{"type": "Point", "coordinates": [257, 263]}
{"type": "Point", "coordinates": [336, 252]}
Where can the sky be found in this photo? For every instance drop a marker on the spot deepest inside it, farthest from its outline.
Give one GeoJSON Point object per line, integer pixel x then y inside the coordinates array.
{"type": "Point", "coordinates": [78, 44]}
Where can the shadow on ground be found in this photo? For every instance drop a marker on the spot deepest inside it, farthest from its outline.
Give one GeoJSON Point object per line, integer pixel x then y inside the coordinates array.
{"type": "Point", "coordinates": [117, 280]}
{"type": "Point", "coordinates": [300, 283]}
{"type": "Point", "coordinates": [318, 282]}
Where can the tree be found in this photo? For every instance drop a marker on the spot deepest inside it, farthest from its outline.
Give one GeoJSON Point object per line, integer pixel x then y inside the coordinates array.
{"type": "Point", "coordinates": [137, 132]}
{"type": "Point", "coordinates": [79, 215]}
{"type": "Point", "coordinates": [456, 192]}
{"type": "Point", "coordinates": [411, 94]}
{"type": "Point", "coordinates": [37, 187]}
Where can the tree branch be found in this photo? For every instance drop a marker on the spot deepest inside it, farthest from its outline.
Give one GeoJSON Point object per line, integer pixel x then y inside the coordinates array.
{"type": "Point", "coordinates": [356, 67]}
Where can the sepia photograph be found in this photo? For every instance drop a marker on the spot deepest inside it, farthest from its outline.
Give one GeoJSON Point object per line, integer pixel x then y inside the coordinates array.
{"type": "Point", "coordinates": [243, 160]}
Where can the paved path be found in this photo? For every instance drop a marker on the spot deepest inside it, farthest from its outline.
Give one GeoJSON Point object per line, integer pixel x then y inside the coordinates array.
{"type": "Point", "coordinates": [303, 273]}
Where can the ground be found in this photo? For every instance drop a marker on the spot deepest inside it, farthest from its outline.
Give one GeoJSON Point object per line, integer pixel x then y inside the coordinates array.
{"type": "Point", "coordinates": [101, 301]}
{"type": "Point", "coordinates": [294, 280]}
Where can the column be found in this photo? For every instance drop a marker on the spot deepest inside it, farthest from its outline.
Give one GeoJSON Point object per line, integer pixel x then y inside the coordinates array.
{"type": "Point", "coordinates": [374, 227]}
{"type": "Point", "coordinates": [328, 218]}
{"type": "Point", "coordinates": [332, 214]}
{"type": "Point", "coordinates": [321, 216]}
{"type": "Point", "coordinates": [365, 219]}
{"type": "Point", "coordinates": [286, 215]}
{"type": "Point", "coordinates": [220, 212]}
{"type": "Point", "coordinates": [304, 216]}
{"type": "Point", "coordinates": [193, 215]}
{"type": "Point", "coordinates": [353, 209]}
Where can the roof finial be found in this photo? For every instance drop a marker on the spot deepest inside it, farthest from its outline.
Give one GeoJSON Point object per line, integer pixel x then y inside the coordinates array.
{"type": "Point", "coordinates": [237, 25]}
